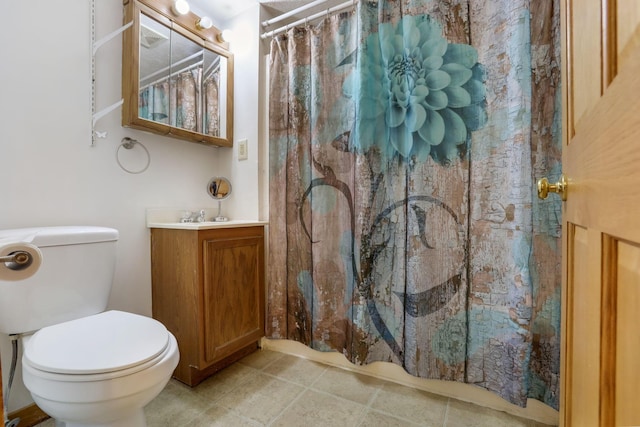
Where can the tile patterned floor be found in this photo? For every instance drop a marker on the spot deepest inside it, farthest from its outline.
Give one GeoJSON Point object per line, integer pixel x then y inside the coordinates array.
{"type": "Point", "coordinates": [274, 389]}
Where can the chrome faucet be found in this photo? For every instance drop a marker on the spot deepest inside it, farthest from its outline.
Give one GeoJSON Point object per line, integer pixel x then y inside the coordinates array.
{"type": "Point", "coordinates": [186, 217]}
{"type": "Point", "coordinates": [189, 216]}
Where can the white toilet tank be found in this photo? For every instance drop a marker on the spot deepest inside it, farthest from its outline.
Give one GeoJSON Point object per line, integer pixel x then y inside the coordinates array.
{"type": "Point", "coordinates": [73, 281]}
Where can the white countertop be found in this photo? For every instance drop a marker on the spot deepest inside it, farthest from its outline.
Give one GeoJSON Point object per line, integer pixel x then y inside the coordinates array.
{"type": "Point", "coordinates": [206, 225]}
{"type": "Point", "coordinates": [170, 218]}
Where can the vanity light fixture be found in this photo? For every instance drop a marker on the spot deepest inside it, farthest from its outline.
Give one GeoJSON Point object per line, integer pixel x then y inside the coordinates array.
{"type": "Point", "coordinates": [225, 36]}
{"type": "Point", "coordinates": [204, 23]}
{"type": "Point", "coordinates": [180, 7]}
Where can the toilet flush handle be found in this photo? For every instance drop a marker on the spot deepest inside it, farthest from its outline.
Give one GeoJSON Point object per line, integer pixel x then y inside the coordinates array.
{"type": "Point", "coordinates": [18, 260]}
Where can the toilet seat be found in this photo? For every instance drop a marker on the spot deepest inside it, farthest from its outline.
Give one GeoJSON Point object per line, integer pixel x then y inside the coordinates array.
{"type": "Point", "coordinates": [101, 346]}
{"type": "Point", "coordinates": [108, 399]}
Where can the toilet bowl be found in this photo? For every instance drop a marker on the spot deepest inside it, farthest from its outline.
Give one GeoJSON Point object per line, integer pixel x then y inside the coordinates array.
{"type": "Point", "coordinates": [84, 366]}
{"type": "Point", "coordinates": [100, 370]}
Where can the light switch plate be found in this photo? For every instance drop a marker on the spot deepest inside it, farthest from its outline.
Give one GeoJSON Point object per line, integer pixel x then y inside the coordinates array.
{"type": "Point", "coordinates": [243, 150]}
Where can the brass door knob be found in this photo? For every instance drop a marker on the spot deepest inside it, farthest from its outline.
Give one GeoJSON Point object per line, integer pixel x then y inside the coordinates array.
{"type": "Point", "coordinates": [560, 187]}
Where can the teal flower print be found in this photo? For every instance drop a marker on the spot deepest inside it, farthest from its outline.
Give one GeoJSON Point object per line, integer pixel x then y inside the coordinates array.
{"type": "Point", "coordinates": [417, 94]}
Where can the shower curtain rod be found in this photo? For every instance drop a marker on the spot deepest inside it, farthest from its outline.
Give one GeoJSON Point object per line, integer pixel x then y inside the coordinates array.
{"type": "Point", "coordinates": [327, 12]}
{"type": "Point", "coordinates": [292, 12]}
{"type": "Point", "coordinates": [215, 66]}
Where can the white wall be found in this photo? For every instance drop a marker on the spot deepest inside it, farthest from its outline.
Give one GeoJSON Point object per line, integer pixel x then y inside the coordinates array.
{"type": "Point", "coordinates": [51, 175]}
{"type": "Point", "coordinates": [245, 173]}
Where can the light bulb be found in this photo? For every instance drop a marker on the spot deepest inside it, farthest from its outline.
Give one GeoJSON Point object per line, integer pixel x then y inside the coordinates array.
{"type": "Point", "coordinates": [204, 23]}
{"type": "Point", "coordinates": [180, 7]}
{"type": "Point", "coordinates": [225, 36]}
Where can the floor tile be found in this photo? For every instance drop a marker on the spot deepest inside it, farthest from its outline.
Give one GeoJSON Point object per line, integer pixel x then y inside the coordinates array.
{"type": "Point", "coordinates": [175, 406]}
{"type": "Point", "coordinates": [375, 418]}
{"type": "Point", "coordinates": [348, 385]}
{"type": "Point", "coordinates": [462, 414]}
{"type": "Point", "coordinates": [415, 405]}
{"type": "Point", "coordinates": [261, 358]}
{"type": "Point", "coordinates": [217, 416]}
{"type": "Point", "coordinates": [319, 410]}
{"type": "Point", "coordinates": [216, 386]}
{"type": "Point", "coordinates": [261, 398]}
{"type": "Point", "coordinates": [295, 369]}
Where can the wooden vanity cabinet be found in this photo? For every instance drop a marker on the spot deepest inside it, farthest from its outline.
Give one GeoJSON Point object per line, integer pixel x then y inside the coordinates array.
{"type": "Point", "coordinates": [208, 290]}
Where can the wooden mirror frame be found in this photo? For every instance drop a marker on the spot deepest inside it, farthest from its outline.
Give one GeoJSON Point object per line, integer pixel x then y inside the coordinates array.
{"type": "Point", "coordinates": [160, 10]}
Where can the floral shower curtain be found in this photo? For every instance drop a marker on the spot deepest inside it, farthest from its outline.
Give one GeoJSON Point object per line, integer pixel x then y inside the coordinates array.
{"type": "Point", "coordinates": [405, 138]}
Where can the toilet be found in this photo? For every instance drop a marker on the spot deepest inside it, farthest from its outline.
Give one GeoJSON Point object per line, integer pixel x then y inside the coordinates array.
{"type": "Point", "coordinates": [83, 366]}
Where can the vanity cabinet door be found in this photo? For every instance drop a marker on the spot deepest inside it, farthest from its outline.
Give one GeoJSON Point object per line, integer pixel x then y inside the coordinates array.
{"type": "Point", "coordinates": [233, 291]}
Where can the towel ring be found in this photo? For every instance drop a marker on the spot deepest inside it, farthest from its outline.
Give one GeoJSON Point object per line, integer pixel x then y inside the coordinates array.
{"type": "Point", "coordinates": [129, 143]}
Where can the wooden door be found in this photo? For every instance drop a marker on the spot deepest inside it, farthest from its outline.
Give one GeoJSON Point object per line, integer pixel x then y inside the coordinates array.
{"type": "Point", "coordinates": [1, 398]}
{"type": "Point", "coordinates": [600, 366]}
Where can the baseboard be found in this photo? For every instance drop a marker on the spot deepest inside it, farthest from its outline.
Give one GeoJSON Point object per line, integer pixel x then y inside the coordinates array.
{"type": "Point", "coordinates": [29, 415]}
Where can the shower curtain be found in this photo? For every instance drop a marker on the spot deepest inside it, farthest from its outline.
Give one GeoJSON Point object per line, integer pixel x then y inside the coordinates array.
{"type": "Point", "coordinates": [405, 139]}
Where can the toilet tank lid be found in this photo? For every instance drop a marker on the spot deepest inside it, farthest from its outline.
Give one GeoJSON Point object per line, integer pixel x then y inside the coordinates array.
{"type": "Point", "coordinates": [60, 235]}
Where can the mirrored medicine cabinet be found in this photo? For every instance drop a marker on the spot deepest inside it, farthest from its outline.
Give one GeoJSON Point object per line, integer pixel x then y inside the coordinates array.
{"type": "Point", "coordinates": [177, 78]}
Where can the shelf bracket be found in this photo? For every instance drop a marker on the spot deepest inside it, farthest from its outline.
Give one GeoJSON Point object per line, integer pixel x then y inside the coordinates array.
{"type": "Point", "coordinates": [95, 45]}
{"type": "Point", "coordinates": [103, 40]}
{"type": "Point", "coordinates": [100, 114]}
